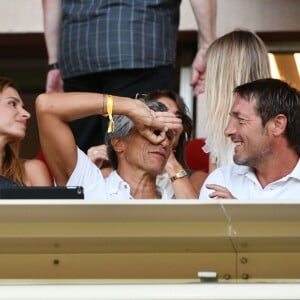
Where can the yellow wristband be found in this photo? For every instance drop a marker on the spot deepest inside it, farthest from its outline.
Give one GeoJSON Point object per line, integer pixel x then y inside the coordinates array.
{"type": "Point", "coordinates": [109, 109]}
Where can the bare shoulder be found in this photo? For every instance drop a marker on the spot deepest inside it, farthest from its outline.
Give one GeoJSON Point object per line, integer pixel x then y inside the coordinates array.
{"type": "Point", "coordinates": [36, 173]}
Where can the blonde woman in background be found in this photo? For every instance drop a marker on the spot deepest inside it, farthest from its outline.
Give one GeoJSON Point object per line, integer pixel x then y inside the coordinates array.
{"type": "Point", "coordinates": [233, 59]}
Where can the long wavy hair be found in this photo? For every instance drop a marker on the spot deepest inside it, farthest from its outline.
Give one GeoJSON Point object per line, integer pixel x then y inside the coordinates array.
{"type": "Point", "coordinates": [233, 59]}
{"type": "Point", "coordinates": [12, 166]}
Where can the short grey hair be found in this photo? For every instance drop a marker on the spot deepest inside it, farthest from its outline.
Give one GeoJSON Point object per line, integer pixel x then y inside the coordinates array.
{"type": "Point", "coordinates": [123, 125]}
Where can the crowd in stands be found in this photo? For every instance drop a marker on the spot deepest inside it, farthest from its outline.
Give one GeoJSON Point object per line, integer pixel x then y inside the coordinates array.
{"type": "Point", "coordinates": [111, 122]}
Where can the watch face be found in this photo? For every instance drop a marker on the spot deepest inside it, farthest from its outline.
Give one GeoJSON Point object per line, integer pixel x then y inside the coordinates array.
{"type": "Point", "coordinates": [180, 174]}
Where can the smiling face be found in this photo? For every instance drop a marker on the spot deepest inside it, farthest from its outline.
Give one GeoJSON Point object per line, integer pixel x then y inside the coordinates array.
{"type": "Point", "coordinates": [13, 117]}
{"type": "Point", "coordinates": [253, 141]}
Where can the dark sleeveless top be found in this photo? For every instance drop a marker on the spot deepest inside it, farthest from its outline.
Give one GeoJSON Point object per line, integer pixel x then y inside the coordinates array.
{"type": "Point", "coordinates": [5, 182]}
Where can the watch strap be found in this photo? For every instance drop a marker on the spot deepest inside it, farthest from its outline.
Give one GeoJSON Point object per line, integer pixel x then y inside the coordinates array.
{"type": "Point", "coordinates": [179, 174]}
{"type": "Point", "coordinates": [53, 66]}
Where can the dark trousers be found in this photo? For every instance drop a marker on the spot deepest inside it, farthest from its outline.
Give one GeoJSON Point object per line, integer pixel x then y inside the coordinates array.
{"type": "Point", "coordinates": [91, 131]}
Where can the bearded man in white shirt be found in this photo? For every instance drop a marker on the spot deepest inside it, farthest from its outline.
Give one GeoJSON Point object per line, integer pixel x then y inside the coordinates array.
{"type": "Point", "coordinates": [265, 127]}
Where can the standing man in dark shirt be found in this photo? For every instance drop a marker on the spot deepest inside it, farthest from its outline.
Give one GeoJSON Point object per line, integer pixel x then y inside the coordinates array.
{"type": "Point", "coordinates": [118, 47]}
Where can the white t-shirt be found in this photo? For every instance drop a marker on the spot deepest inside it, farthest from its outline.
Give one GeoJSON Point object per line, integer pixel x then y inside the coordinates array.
{"type": "Point", "coordinates": [243, 184]}
{"type": "Point", "coordinates": [88, 175]}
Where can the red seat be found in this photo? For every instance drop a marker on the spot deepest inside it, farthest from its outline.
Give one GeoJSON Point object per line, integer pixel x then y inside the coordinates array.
{"type": "Point", "coordinates": [196, 158]}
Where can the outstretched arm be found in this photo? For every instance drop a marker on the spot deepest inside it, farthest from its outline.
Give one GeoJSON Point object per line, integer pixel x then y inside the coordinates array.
{"type": "Point", "coordinates": [52, 20]}
{"type": "Point", "coordinates": [205, 14]}
{"type": "Point", "coordinates": [55, 110]}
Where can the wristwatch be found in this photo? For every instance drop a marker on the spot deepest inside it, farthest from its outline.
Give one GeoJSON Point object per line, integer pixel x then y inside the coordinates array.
{"type": "Point", "coordinates": [180, 174]}
{"type": "Point", "coordinates": [53, 66]}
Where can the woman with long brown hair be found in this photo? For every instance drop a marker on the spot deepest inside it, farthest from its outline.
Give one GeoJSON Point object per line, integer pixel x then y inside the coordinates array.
{"type": "Point", "coordinates": [13, 124]}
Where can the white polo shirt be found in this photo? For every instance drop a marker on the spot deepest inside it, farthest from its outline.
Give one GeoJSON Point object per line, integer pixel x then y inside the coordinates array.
{"type": "Point", "coordinates": [243, 184]}
{"type": "Point", "coordinates": [88, 175]}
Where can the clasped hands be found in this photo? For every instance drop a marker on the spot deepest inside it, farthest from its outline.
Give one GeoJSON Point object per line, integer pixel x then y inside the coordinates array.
{"type": "Point", "coordinates": [154, 125]}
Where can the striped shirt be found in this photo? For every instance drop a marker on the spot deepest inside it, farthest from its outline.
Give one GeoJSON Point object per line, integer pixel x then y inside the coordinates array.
{"type": "Point", "coordinates": [106, 35]}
